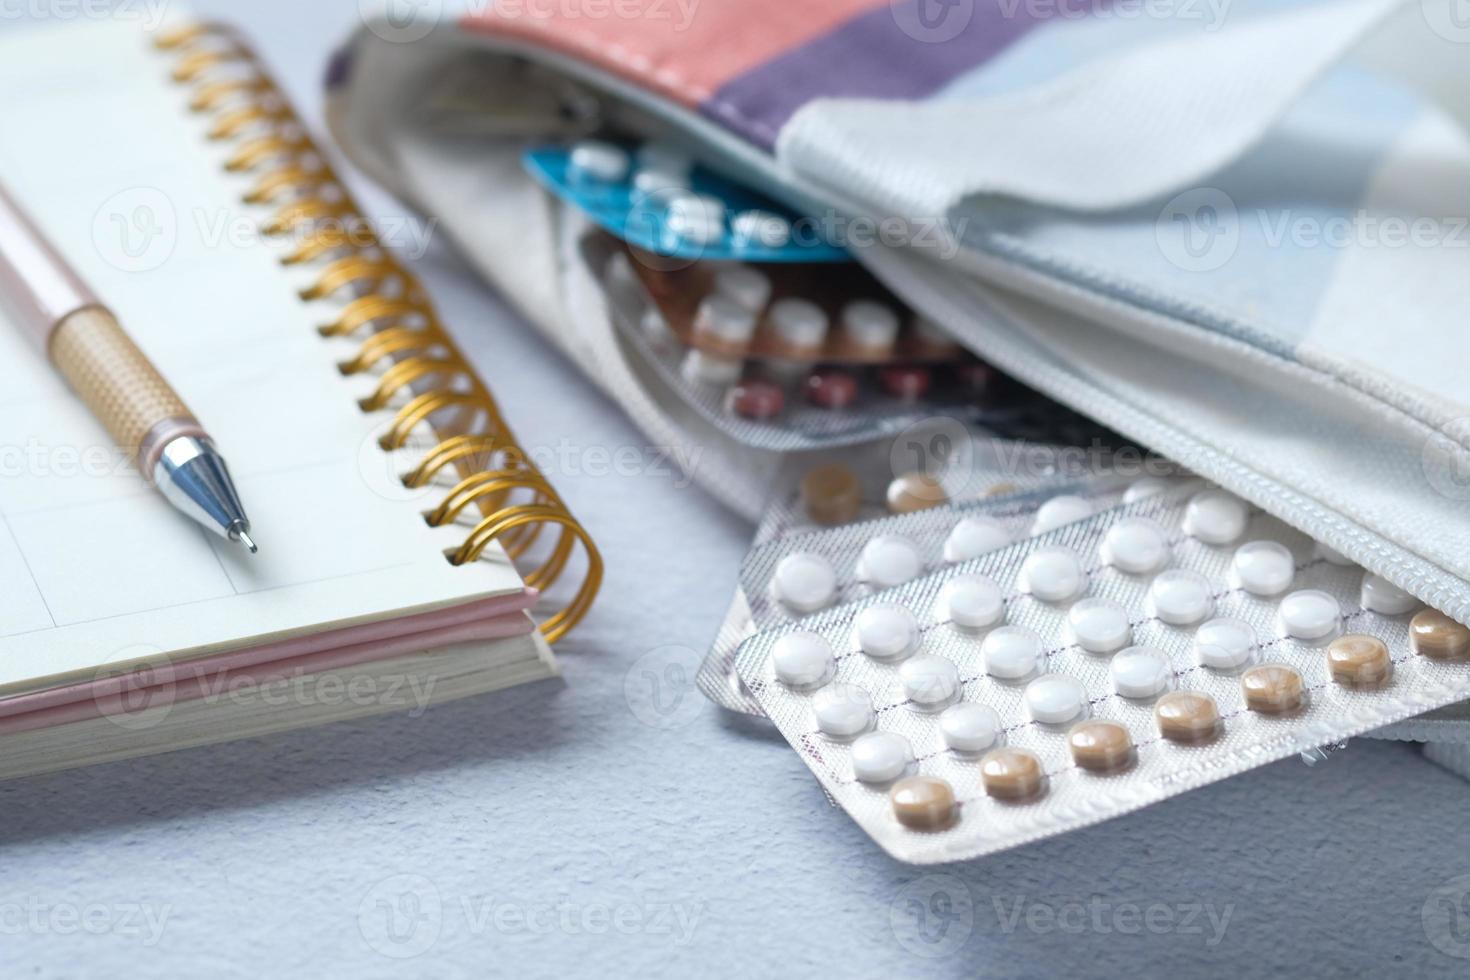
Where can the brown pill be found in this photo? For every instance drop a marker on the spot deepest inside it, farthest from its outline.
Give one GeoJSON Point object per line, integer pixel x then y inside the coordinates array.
{"type": "Point", "coordinates": [923, 802]}
{"type": "Point", "coordinates": [1012, 774]}
{"type": "Point", "coordinates": [1102, 746]}
{"type": "Point", "coordinates": [832, 494]}
{"type": "Point", "coordinates": [1001, 490]}
{"type": "Point", "coordinates": [1187, 716]}
{"type": "Point", "coordinates": [1438, 637]}
{"type": "Point", "coordinates": [1272, 689]}
{"type": "Point", "coordinates": [1359, 661]}
{"type": "Point", "coordinates": [915, 492]}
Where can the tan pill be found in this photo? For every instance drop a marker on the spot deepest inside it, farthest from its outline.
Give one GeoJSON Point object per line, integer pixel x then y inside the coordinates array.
{"type": "Point", "coordinates": [1359, 661]}
{"type": "Point", "coordinates": [915, 492]}
{"type": "Point", "coordinates": [1012, 774]}
{"type": "Point", "coordinates": [923, 802]}
{"type": "Point", "coordinates": [1272, 689]}
{"type": "Point", "coordinates": [1187, 716]}
{"type": "Point", "coordinates": [1101, 746]}
{"type": "Point", "coordinates": [1438, 637]}
{"type": "Point", "coordinates": [832, 495]}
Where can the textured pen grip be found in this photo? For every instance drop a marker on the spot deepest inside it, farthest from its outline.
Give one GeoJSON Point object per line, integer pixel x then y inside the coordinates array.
{"type": "Point", "coordinates": [116, 380]}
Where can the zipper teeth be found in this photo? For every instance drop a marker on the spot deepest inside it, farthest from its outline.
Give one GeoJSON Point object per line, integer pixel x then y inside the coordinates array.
{"type": "Point", "coordinates": [1433, 585]}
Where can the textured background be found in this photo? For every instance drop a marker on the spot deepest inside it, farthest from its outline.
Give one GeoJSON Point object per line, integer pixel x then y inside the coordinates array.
{"type": "Point", "coordinates": [567, 829]}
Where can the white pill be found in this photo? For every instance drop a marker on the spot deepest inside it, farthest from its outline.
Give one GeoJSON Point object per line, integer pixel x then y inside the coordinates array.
{"type": "Point", "coordinates": [700, 367]}
{"type": "Point", "coordinates": [881, 757]}
{"type": "Point", "coordinates": [1225, 643]}
{"type": "Point", "coordinates": [654, 326]}
{"type": "Point", "coordinates": [1011, 652]}
{"type": "Point", "coordinates": [870, 324]}
{"type": "Point", "coordinates": [1149, 486]}
{"type": "Point", "coordinates": [930, 681]}
{"type": "Point", "coordinates": [725, 318]}
{"type": "Point", "coordinates": [973, 602]}
{"type": "Point", "coordinates": [1383, 597]}
{"type": "Point", "coordinates": [969, 727]}
{"type": "Point", "coordinates": [1053, 574]}
{"type": "Point", "coordinates": [1099, 625]}
{"type": "Point", "coordinates": [889, 560]}
{"type": "Point", "coordinates": [658, 181]}
{"type": "Point", "coordinates": [598, 161]}
{"type": "Point", "coordinates": [806, 582]}
{"type": "Point", "coordinates": [1215, 517]}
{"type": "Point", "coordinates": [1055, 699]}
{"type": "Point", "coordinates": [697, 218]}
{"type": "Point", "coordinates": [1136, 546]}
{"type": "Point", "coordinates": [800, 324]}
{"type": "Point", "coordinates": [1263, 567]}
{"type": "Point", "coordinates": [764, 228]}
{"type": "Point", "coordinates": [975, 536]}
{"type": "Point", "coordinates": [1060, 511]}
{"type": "Point", "coordinates": [842, 710]}
{"type": "Point", "coordinates": [749, 287]}
{"type": "Point", "coordinates": [887, 631]}
{"type": "Point", "coordinates": [663, 156]}
{"type": "Point", "coordinates": [1332, 556]}
{"type": "Point", "coordinates": [802, 659]}
{"type": "Point", "coordinates": [1140, 672]}
{"type": "Point", "coordinates": [1310, 615]}
{"type": "Point", "coordinates": [1181, 597]}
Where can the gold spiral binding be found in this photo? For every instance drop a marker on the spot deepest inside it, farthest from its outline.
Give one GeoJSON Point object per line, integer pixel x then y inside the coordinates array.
{"type": "Point", "coordinates": [511, 498]}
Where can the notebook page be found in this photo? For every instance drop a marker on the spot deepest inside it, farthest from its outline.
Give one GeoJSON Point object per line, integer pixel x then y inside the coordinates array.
{"type": "Point", "coordinates": [96, 570]}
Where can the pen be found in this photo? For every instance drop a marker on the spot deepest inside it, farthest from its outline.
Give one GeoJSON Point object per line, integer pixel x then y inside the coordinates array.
{"type": "Point", "coordinates": [127, 394]}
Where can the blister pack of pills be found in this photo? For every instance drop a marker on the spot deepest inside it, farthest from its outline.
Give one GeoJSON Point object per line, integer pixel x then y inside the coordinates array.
{"type": "Point", "coordinates": [801, 403]}
{"type": "Point", "coordinates": [1095, 669]}
{"type": "Point", "coordinates": [795, 568]}
{"type": "Point", "coordinates": [656, 198]}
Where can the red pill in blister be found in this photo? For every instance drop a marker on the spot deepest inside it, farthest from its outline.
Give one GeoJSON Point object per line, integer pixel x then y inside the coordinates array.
{"type": "Point", "coordinates": [907, 383]}
{"type": "Point", "coordinates": [977, 376]}
{"type": "Point", "coordinates": [831, 388]}
{"type": "Point", "coordinates": [757, 399]}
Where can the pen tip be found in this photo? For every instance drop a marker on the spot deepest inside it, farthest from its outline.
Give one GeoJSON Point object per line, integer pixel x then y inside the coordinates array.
{"type": "Point", "coordinates": [247, 542]}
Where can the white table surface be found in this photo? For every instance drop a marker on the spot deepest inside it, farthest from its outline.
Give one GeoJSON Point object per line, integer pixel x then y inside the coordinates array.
{"type": "Point", "coordinates": [548, 831]}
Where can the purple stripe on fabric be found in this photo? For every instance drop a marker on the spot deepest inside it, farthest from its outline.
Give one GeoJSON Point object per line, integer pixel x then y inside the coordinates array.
{"type": "Point", "coordinates": [905, 50]}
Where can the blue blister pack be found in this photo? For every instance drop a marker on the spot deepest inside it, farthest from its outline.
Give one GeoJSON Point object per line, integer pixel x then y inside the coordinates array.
{"type": "Point", "coordinates": [659, 201]}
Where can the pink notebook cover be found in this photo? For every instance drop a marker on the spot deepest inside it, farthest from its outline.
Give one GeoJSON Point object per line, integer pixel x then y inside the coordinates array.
{"type": "Point", "coordinates": [497, 618]}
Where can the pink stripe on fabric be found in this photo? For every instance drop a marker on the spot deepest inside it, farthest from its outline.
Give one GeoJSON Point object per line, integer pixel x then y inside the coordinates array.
{"type": "Point", "coordinates": [420, 630]}
{"type": "Point", "coordinates": [683, 49]}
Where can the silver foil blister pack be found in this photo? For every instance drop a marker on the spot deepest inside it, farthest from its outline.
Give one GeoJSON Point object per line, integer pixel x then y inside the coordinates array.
{"type": "Point", "coordinates": [1322, 598]}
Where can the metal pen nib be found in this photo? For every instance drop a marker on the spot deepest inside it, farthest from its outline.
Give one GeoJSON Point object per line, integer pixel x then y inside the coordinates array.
{"type": "Point", "coordinates": [193, 476]}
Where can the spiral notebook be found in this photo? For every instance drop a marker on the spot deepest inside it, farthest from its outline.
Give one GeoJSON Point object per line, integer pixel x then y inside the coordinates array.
{"type": "Point", "coordinates": [389, 500]}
